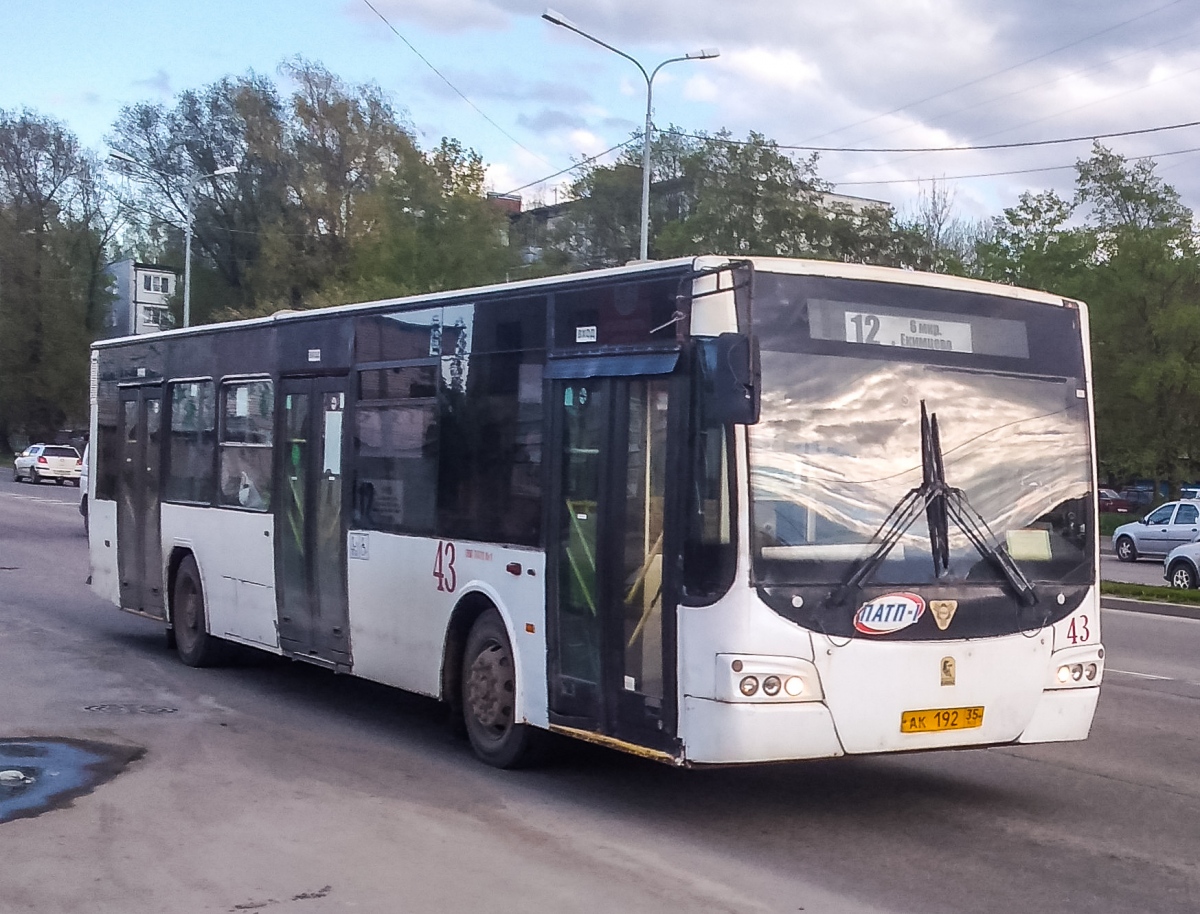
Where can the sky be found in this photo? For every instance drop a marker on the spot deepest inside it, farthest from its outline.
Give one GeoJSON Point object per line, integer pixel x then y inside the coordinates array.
{"type": "Point", "coordinates": [858, 74]}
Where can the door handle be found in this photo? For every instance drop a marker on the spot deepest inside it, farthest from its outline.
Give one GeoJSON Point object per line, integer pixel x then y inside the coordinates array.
{"type": "Point", "coordinates": [513, 568]}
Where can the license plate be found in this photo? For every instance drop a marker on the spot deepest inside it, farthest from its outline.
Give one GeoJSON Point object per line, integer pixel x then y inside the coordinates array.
{"type": "Point", "coordinates": [936, 719]}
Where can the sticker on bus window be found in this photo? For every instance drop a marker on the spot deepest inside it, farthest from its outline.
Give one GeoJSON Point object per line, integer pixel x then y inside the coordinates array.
{"type": "Point", "coordinates": [585, 334]}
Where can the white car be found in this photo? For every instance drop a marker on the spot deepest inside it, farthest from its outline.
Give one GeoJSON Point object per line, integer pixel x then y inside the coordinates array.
{"type": "Point", "coordinates": [59, 462]}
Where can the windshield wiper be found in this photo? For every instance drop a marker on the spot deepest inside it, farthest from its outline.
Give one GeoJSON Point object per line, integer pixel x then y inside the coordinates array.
{"type": "Point", "coordinates": [941, 503]}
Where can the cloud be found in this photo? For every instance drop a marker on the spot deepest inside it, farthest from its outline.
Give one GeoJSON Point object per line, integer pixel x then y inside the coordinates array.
{"type": "Point", "coordinates": [159, 84]}
{"type": "Point", "coordinates": [549, 119]}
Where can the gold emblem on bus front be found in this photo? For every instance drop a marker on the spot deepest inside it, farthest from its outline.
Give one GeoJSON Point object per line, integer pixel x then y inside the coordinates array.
{"type": "Point", "coordinates": [942, 612]}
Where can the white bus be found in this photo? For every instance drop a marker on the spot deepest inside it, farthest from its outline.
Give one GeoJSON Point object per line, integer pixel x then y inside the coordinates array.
{"type": "Point", "coordinates": [708, 511]}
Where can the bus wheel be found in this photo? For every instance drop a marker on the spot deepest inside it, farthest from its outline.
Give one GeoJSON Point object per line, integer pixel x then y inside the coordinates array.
{"type": "Point", "coordinates": [489, 696]}
{"type": "Point", "coordinates": [195, 645]}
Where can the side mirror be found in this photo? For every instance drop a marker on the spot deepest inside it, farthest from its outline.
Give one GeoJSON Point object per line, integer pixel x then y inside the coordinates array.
{"type": "Point", "coordinates": [730, 376]}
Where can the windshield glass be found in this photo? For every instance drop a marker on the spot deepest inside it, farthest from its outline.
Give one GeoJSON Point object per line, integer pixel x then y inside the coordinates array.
{"type": "Point", "coordinates": [845, 368]}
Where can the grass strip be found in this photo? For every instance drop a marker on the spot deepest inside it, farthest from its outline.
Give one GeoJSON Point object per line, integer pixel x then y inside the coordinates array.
{"type": "Point", "coordinates": [1149, 592]}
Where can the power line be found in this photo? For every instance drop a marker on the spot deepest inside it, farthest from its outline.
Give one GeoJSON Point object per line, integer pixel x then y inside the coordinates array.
{"type": "Point", "coordinates": [999, 174]}
{"type": "Point", "coordinates": [1027, 144]}
{"type": "Point", "coordinates": [457, 91]}
{"type": "Point", "coordinates": [580, 164]}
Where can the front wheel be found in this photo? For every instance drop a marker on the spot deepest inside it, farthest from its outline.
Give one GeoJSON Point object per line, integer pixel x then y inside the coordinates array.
{"type": "Point", "coordinates": [489, 693]}
{"type": "Point", "coordinates": [1126, 551]}
{"type": "Point", "coordinates": [196, 647]}
{"type": "Point", "coordinates": [1182, 576]}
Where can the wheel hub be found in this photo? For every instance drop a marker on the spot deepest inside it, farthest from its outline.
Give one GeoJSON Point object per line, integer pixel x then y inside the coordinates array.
{"type": "Point", "coordinates": [490, 687]}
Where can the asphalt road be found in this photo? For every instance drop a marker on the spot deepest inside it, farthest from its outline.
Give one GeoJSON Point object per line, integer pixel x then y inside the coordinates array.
{"type": "Point", "coordinates": [279, 787]}
{"type": "Point", "coordinates": [1143, 571]}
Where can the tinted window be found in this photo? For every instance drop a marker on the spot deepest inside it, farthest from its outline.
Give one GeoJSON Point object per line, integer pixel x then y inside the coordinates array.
{"type": "Point", "coordinates": [1187, 514]}
{"type": "Point", "coordinates": [489, 478]}
{"type": "Point", "coordinates": [55, 451]}
{"type": "Point", "coordinates": [247, 418]}
{"type": "Point", "coordinates": [191, 442]}
{"type": "Point", "coordinates": [396, 447]}
{"type": "Point", "coordinates": [630, 313]}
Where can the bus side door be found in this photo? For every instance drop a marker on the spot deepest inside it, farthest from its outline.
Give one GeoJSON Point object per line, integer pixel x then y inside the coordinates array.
{"type": "Point", "coordinates": [310, 524]}
{"type": "Point", "coordinates": [611, 601]}
{"type": "Point", "coordinates": [139, 540]}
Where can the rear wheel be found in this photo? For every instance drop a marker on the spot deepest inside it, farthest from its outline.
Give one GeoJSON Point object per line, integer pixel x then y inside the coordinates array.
{"type": "Point", "coordinates": [34, 477]}
{"type": "Point", "coordinates": [1126, 551]}
{"type": "Point", "coordinates": [195, 645]}
{"type": "Point", "coordinates": [59, 481]}
{"type": "Point", "coordinates": [1183, 576]}
{"type": "Point", "coordinates": [489, 693]}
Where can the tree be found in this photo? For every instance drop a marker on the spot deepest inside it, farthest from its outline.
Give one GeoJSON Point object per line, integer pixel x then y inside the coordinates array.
{"type": "Point", "coordinates": [52, 228]}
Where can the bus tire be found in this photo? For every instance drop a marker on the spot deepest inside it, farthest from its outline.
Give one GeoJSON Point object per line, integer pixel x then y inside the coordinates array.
{"type": "Point", "coordinates": [195, 646]}
{"type": "Point", "coordinates": [489, 696]}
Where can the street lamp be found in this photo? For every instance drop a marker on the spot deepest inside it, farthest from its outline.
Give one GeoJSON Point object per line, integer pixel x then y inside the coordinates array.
{"type": "Point", "coordinates": [559, 19]}
{"type": "Point", "coordinates": [191, 212]}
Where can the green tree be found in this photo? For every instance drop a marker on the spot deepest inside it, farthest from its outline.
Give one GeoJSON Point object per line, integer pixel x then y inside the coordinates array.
{"type": "Point", "coordinates": [52, 233]}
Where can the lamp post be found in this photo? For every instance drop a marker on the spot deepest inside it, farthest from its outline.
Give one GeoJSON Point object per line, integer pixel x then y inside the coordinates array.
{"type": "Point", "coordinates": [559, 19]}
{"type": "Point", "coordinates": [191, 212]}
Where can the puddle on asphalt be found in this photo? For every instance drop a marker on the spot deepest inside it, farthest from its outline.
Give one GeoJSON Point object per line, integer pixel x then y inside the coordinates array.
{"type": "Point", "coordinates": [37, 775]}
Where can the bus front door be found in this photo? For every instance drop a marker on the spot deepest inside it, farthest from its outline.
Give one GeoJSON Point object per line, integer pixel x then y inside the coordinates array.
{"type": "Point", "coordinates": [310, 529]}
{"type": "Point", "coordinates": [139, 542]}
{"type": "Point", "coordinates": [611, 614]}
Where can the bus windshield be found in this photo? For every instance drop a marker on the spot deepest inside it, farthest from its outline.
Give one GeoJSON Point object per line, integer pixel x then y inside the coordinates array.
{"type": "Point", "coordinates": [846, 367]}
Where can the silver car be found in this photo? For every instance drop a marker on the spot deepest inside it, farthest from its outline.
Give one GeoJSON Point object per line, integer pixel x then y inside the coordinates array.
{"type": "Point", "coordinates": [59, 462]}
{"type": "Point", "coordinates": [1181, 567]}
{"type": "Point", "coordinates": [1160, 531]}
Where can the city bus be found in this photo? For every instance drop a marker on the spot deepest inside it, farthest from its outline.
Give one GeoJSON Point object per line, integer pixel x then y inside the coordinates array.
{"type": "Point", "coordinates": [706, 510]}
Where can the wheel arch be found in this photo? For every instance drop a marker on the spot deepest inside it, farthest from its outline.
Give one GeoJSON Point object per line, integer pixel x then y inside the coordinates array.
{"type": "Point", "coordinates": [1184, 560]}
{"type": "Point", "coordinates": [174, 560]}
{"type": "Point", "coordinates": [476, 599]}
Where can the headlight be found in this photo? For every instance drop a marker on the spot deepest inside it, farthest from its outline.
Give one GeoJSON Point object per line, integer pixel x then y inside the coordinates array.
{"type": "Point", "coordinates": [765, 679]}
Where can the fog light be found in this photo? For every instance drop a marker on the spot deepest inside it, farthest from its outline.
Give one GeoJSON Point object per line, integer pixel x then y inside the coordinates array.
{"type": "Point", "coordinates": [748, 685]}
{"type": "Point", "coordinates": [772, 685]}
{"type": "Point", "coordinates": [793, 685]}
{"type": "Point", "coordinates": [1077, 671]}
{"type": "Point", "coordinates": [1090, 671]}
{"type": "Point", "coordinates": [737, 666]}
{"type": "Point", "coordinates": [1064, 674]}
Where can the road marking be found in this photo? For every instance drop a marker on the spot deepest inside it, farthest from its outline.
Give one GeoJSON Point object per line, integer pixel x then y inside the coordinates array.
{"type": "Point", "coordinates": [1139, 675]}
{"type": "Point", "coordinates": [47, 501]}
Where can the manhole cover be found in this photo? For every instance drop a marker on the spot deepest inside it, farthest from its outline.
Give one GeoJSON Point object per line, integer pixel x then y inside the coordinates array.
{"type": "Point", "coordinates": [41, 774]}
{"type": "Point", "coordinates": [130, 709]}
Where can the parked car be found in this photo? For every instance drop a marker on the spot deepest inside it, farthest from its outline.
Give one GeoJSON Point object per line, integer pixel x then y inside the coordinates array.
{"type": "Point", "coordinates": [59, 462]}
{"type": "Point", "coordinates": [83, 484]}
{"type": "Point", "coordinates": [1160, 531]}
{"type": "Point", "coordinates": [1112, 503]}
{"type": "Point", "coordinates": [1138, 496]}
{"type": "Point", "coordinates": [1181, 567]}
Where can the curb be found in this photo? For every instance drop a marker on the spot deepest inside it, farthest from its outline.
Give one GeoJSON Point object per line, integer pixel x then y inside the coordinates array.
{"type": "Point", "coordinates": [1178, 610]}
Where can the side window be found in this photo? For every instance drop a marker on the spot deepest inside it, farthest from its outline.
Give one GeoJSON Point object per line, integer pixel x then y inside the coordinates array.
{"type": "Point", "coordinates": [1162, 515]}
{"type": "Point", "coordinates": [191, 442]}
{"type": "Point", "coordinates": [247, 419]}
{"type": "Point", "coordinates": [396, 449]}
{"type": "Point", "coordinates": [1187, 514]}
{"type": "Point", "coordinates": [708, 553]}
{"type": "Point", "coordinates": [490, 461]}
